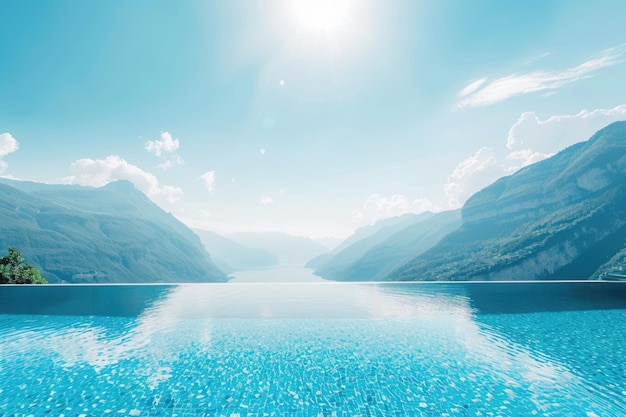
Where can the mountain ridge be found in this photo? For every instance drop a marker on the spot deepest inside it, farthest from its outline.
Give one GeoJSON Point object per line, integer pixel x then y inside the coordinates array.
{"type": "Point", "coordinates": [536, 222]}
{"type": "Point", "coordinates": [113, 233]}
{"type": "Point", "coordinates": [337, 265]}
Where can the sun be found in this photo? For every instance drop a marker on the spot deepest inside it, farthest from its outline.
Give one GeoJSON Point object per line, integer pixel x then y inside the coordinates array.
{"type": "Point", "coordinates": [322, 15]}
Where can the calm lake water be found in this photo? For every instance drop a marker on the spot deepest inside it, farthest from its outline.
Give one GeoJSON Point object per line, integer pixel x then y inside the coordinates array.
{"type": "Point", "coordinates": [281, 274]}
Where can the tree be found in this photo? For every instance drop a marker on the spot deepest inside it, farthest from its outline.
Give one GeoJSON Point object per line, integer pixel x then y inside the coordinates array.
{"type": "Point", "coordinates": [14, 271]}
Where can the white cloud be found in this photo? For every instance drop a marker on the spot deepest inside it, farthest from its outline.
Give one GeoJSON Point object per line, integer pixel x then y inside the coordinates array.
{"type": "Point", "coordinates": [470, 175]}
{"type": "Point", "coordinates": [166, 144]}
{"type": "Point", "coordinates": [265, 200]}
{"type": "Point", "coordinates": [209, 181]}
{"type": "Point", "coordinates": [99, 172]}
{"type": "Point", "coordinates": [526, 157]}
{"type": "Point", "coordinates": [378, 207]}
{"type": "Point", "coordinates": [165, 148]}
{"type": "Point", "coordinates": [503, 88]}
{"type": "Point", "coordinates": [262, 151]}
{"type": "Point", "coordinates": [530, 140]}
{"type": "Point", "coordinates": [558, 132]}
{"type": "Point", "coordinates": [8, 144]}
{"type": "Point", "coordinates": [482, 159]}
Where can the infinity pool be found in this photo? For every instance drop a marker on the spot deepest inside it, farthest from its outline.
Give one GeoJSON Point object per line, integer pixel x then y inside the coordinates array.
{"type": "Point", "coordinates": [314, 349]}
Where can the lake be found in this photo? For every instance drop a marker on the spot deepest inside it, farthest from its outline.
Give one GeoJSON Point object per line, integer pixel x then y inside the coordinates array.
{"type": "Point", "coordinates": [279, 274]}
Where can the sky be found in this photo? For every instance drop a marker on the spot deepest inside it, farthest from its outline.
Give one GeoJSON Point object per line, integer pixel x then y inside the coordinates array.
{"type": "Point", "coordinates": [307, 117]}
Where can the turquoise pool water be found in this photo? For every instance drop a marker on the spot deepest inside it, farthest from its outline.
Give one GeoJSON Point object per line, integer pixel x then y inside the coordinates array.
{"type": "Point", "coordinates": [310, 349]}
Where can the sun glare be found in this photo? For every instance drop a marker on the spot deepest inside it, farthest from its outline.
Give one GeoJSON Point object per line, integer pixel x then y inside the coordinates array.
{"type": "Point", "coordinates": [322, 15]}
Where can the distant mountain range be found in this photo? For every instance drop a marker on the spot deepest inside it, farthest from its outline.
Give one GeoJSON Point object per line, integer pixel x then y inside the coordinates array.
{"type": "Point", "coordinates": [110, 234]}
{"type": "Point", "coordinates": [561, 218]}
{"type": "Point", "coordinates": [231, 256]}
{"type": "Point", "coordinates": [343, 261]}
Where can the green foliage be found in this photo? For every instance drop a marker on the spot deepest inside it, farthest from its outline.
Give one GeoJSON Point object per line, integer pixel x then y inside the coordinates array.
{"type": "Point", "coordinates": [14, 271]}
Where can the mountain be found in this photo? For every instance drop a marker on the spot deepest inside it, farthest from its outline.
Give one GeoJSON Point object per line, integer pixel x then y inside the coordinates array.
{"type": "Point", "coordinates": [330, 242]}
{"type": "Point", "coordinates": [561, 218]}
{"type": "Point", "coordinates": [371, 229]}
{"type": "Point", "coordinates": [319, 261]}
{"type": "Point", "coordinates": [359, 243]}
{"type": "Point", "coordinates": [230, 256]}
{"type": "Point", "coordinates": [109, 234]}
{"type": "Point", "coordinates": [290, 250]}
{"type": "Point", "coordinates": [384, 258]}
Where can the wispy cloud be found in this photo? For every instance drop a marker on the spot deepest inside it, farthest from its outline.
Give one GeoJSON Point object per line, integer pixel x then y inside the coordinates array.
{"type": "Point", "coordinates": [99, 172]}
{"type": "Point", "coordinates": [165, 148]}
{"type": "Point", "coordinates": [265, 200]}
{"type": "Point", "coordinates": [536, 58]}
{"type": "Point", "coordinates": [485, 92]}
{"type": "Point", "coordinates": [8, 144]}
{"type": "Point", "coordinates": [208, 178]}
{"type": "Point", "coordinates": [473, 86]}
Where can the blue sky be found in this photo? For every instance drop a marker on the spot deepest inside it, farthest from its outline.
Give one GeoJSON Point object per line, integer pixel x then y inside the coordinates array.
{"type": "Point", "coordinates": [309, 118]}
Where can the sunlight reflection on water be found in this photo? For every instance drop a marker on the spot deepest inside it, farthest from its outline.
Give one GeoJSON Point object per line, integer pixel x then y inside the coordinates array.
{"type": "Point", "coordinates": [379, 347]}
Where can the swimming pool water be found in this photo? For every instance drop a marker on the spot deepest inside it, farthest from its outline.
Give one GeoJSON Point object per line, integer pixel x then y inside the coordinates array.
{"type": "Point", "coordinates": [308, 349]}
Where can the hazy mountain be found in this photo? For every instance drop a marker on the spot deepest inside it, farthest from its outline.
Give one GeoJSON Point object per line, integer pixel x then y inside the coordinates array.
{"type": "Point", "coordinates": [110, 234]}
{"type": "Point", "coordinates": [563, 217]}
{"type": "Point", "coordinates": [370, 229]}
{"type": "Point", "coordinates": [230, 256]}
{"type": "Point", "coordinates": [319, 261]}
{"type": "Point", "coordinates": [290, 250]}
{"type": "Point", "coordinates": [359, 243]}
{"type": "Point", "coordinates": [330, 243]}
{"type": "Point", "coordinates": [384, 258]}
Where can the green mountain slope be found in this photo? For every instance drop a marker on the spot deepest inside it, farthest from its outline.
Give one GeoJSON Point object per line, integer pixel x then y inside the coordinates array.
{"type": "Point", "coordinates": [384, 258]}
{"type": "Point", "coordinates": [562, 218]}
{"type": "Point", "coordinates": [109, 234]}
{"type": "Point", "coordinates": [371, 229]}
{"type": "Point", "coordinates": [364, 239]}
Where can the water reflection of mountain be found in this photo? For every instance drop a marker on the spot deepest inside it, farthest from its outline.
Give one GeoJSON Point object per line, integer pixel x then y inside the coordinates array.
{"type": "Point", "coordinates": [81, 300]}
{"type": "Point", "coordinates": [523, 297]}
